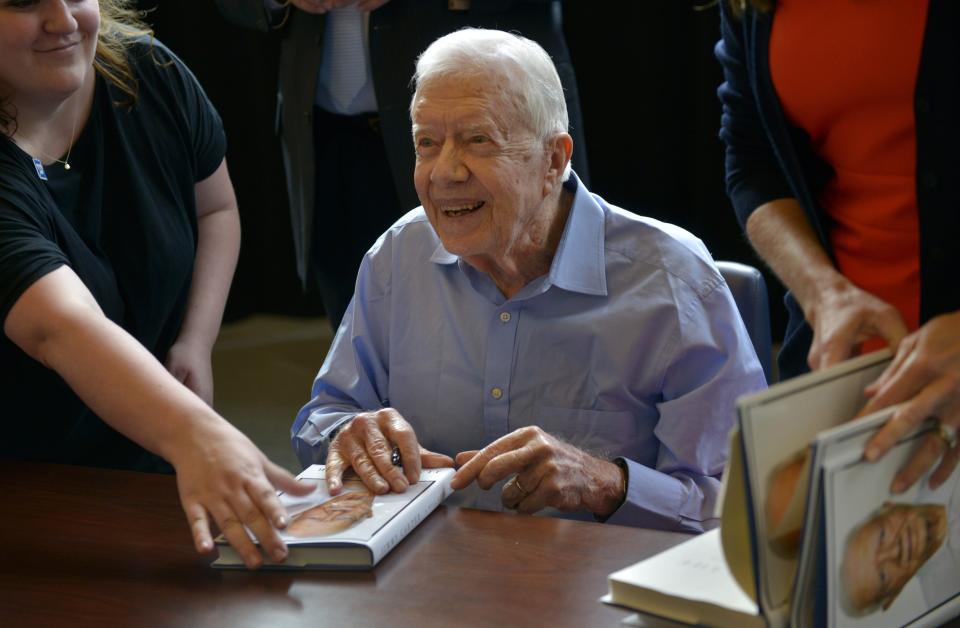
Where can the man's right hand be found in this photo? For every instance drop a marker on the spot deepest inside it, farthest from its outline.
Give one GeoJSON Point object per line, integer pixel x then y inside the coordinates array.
{"type": "Point", "coordinates": [366, 444]}
{"type": "Point", "coordinates": [844, 316]}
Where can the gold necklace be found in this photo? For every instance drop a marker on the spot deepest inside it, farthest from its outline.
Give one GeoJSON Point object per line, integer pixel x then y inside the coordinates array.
{"type": "Point", "coordinates": [66, 160]}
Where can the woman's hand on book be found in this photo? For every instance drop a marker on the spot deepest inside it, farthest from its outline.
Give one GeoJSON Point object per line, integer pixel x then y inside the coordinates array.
{"type": "Point", "coordinates": [221, 474]}
{"type": "Point", "coordinates": [547, 473]}
{"type": "Point", "coordinates": [366, 444]}
{"type": "Point", "coordinates": [925, 376]}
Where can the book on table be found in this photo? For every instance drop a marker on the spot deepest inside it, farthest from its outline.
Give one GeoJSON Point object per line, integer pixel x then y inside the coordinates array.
{"type": "Point", "coordinates": [810, 533]}
{"type": "Point", "coordinates": [350, 531]}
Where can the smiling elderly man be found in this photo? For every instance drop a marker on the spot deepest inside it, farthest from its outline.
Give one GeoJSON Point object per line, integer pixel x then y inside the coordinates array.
{"type": "Point", "coordinates": [592, 356]}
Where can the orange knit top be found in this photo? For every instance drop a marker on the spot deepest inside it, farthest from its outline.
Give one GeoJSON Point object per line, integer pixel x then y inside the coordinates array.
{"type": "Point", "coordinates": [845, 72]}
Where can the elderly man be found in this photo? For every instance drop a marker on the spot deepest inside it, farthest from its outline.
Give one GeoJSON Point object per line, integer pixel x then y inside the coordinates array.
{"type": "Point", "coordinates": [884, 553]}
{"type": "Point", "coordinates": [588, 356]}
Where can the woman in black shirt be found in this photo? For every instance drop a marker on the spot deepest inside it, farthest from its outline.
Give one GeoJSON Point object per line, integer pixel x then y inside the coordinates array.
{"type": "Point", "coordinates": [119, 235]}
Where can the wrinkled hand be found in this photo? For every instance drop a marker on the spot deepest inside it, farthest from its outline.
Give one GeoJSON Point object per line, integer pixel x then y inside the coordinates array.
{"type": "Point", "coordinates": [548, 472]}
{"type": "Point", "coordinates": [190, 364]}
{"type": "Point", "coordinates": [366, 444]}
{"type": "Point", "coordinates": [925, 374]}
{"type": "Point", "coordinates": [221, 474]}
{"type": "Point", "coordinates": [322, 6]}
{"type": "Point", "coordinates": [843, 318]}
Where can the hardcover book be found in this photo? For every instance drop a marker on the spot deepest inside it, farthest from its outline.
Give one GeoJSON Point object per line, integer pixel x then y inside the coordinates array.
{"type": "Point", "coordinates": [351, 531]}
{"type": "Point", "coordinates": [810, 533]}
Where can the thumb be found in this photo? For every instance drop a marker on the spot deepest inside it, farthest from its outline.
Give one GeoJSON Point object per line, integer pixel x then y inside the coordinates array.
{"type": "Point", "coordinates": [285, 481]}
{"type": "Point", "coordinates": [432, 460]}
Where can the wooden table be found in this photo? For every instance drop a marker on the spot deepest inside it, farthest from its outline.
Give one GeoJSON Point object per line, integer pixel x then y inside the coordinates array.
{"type": "Point", "coordinates": [92, 547]}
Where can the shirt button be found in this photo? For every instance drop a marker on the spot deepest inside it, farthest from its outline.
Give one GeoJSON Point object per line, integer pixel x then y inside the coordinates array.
{"type": "Point", "coordinates": [504, 317]}
{"type": "Point", "coordinates": [496, 393]}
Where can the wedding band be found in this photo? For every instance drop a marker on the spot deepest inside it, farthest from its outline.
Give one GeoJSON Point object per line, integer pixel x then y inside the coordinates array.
{"type": "Point", "coordinates": [516, 481]}
{"type": "Point", "coordinates": [948, 434]}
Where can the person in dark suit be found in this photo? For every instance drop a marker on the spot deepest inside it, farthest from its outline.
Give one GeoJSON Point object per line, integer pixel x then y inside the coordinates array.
{"type": "Point", "coordinates": [349, 165]}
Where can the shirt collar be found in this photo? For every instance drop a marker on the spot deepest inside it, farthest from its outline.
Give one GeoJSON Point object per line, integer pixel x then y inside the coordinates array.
{"type": "Point", "coordinates": [579, 264]}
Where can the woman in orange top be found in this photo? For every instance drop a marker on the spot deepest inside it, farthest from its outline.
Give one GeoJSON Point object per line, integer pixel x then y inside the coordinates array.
{"type": "Point", "coordinates": [840, 124]}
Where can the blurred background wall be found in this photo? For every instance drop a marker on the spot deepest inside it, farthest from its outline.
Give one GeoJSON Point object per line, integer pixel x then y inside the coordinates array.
{"type": "Point", "coordinates": [647, 80]}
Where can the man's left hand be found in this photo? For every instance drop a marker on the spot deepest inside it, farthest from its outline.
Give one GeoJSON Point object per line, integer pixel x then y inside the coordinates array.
{"type": "Point", "coordinates": [925, 374]}
{"type": "Point", "coordinates": [548, 472]}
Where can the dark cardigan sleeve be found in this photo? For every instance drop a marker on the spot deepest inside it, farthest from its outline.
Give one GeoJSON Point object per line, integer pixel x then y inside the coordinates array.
{"type": "Point", "coordinates": [753, 171]}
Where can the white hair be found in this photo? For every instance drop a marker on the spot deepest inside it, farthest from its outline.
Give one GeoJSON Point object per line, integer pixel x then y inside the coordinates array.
{"type": "Point", "coordinates": [528, 78]}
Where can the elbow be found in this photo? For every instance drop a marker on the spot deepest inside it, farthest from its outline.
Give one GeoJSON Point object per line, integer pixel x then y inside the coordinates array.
{"type": "Point", "coordinates": [46, 334]}
{"type": "Point", "coordinates": [41, 339]}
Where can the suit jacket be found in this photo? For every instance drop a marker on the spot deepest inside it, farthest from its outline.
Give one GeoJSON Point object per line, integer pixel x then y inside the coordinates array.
{"type": "Point", "coordinates": [399, 31]}
{"type": "Point", "coordinates": [768, 158]}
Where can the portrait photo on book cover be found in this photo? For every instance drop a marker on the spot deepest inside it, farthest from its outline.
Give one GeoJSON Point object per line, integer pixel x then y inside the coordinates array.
{"type": "Point", "coordinates": [334, 515]}
{"type": "Point", "coordinates": [355, 514]}
{"type": "Point", "coordinates": [894, 556]}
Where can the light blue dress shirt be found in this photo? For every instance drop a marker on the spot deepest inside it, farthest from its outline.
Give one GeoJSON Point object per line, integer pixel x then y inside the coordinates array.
{"type": "Point", "coordinates": [631, 346]}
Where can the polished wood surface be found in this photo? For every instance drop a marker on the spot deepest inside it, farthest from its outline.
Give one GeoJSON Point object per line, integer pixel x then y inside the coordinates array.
{"type": "Point", "coordinates": [92, 547]}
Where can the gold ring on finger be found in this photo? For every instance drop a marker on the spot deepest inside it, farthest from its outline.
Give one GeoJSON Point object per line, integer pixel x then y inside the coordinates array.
{"type": "Point", "coordinates": [516, 481]}
{"type": "Point", "coordinates": [948, 434]}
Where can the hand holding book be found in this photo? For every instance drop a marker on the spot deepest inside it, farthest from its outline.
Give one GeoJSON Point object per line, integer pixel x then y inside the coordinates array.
{"type": "Point", "coordinates": [231, 482]}
{"type": "Point", "coordinates": [352, 530]}
{"type": "Point", "coordinates": [925, 375]}
{"type": "Point", "coordinates": [813, 535]}
{"type": "Point", "coordinates": [366, 444]}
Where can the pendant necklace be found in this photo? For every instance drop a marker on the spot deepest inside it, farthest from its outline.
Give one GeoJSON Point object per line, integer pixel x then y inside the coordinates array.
{"type": "Point", "coordinates": [65, 161]}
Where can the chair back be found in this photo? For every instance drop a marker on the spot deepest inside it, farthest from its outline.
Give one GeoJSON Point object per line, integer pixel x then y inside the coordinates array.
{"type": "Point", "coordinates": [750, 293]}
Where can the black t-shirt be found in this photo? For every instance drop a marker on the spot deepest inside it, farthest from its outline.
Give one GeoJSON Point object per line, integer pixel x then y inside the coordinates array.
{"type": "Point", "coordinates": [124, 218]}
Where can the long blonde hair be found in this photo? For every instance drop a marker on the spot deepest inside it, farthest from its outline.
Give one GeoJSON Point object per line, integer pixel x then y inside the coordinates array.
{"type": "Point", "coordinates": [120, 25]}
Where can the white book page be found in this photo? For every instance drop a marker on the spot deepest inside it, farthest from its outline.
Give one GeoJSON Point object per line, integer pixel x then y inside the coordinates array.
{"type": "Point", "coordinates": [694, 570]}
{"type": "Point", "coordinates": [780, 423]}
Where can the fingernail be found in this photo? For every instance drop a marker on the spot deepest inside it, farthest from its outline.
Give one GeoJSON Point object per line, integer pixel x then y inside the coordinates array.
{"type": "Point", "coordinates": [871, 454]}
{"type": "Point", "coordinates": [898, 486]}
{"type": "Point", "coordinates": [279, 555]}
{"type": "Point", "coordinates": [205, 546]}
{"type": "Point", "coordinates": [281, 522]}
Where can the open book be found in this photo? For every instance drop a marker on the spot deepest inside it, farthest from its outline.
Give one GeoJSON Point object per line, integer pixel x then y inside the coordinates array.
{"type": "Point", "coordinates": [353, 530]}
{"type": "Point", "coordinates": [810, 533]}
